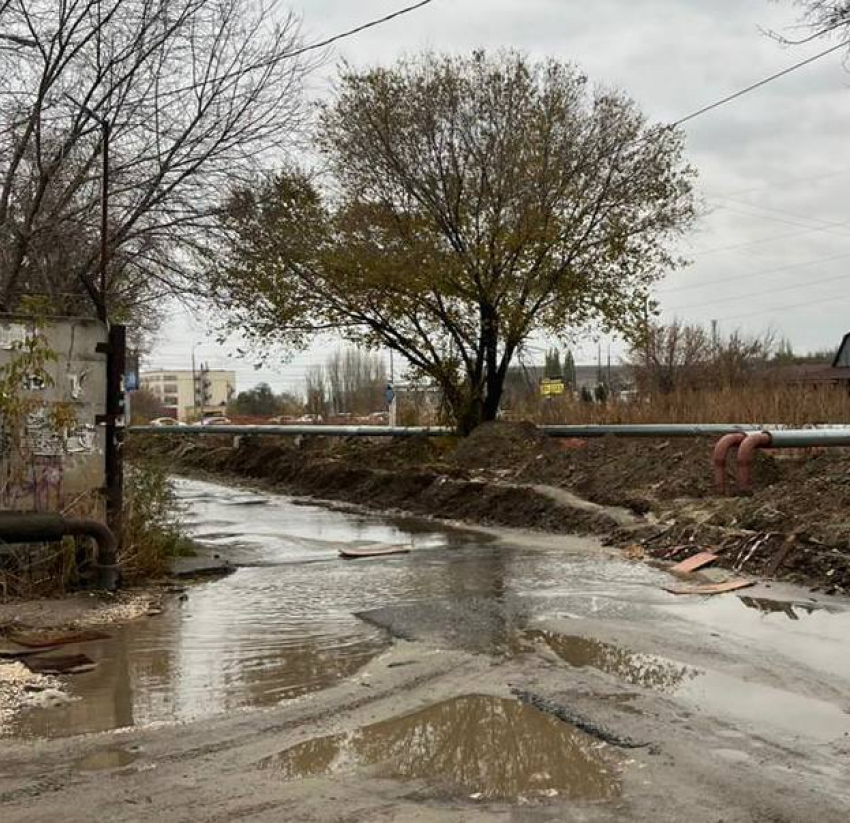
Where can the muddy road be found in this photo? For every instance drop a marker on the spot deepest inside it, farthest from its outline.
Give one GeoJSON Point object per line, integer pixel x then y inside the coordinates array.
{"type": "Point", "coordinates": [485, 675]}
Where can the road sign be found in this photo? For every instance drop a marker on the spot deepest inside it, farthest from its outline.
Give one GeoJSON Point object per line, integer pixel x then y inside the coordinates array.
{"type": "Point", "coordinates": [551, 386]}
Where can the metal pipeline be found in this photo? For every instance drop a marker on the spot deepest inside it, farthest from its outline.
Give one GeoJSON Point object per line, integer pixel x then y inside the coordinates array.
{"type": "Point", "coordinates": [30, 527]}
{"type": "Point", "coordinates": [644, 430]}
{"type": "Point", "coordinates": [649, 430]}
{"type": "Point", "coordinates": [305, 430]}
{"type": "Point", "coordinates": [784, 439]}
{"type": "Point", "coordinates": [721, 452]}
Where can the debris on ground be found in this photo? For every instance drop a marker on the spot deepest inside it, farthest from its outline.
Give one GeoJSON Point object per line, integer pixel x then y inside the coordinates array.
{"type": "Point", "coordinates": [43, 640]}
{"type": "Point", "coordinates": [792, 526]}
{"type": "Point", "coordinates": [20, 688]}
{"type": "Point", "coordinates": [694, 562]}
{"type": "Point", "coordinates": [60, 664]}
{"type": "Point", "coordinates": [711, 588]}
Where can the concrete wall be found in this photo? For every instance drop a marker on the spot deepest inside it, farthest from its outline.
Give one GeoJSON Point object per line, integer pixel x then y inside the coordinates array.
{"type": "Point", "coordinates": [44, 467]}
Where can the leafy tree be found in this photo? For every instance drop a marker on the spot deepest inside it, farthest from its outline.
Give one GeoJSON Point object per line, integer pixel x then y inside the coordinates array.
{"type": "Point", "coordinates": [260, 400]}
{"type": "Point", "coordinates": [569, 369]}
{"type": "Point", "coordinates": [476, 201]}
{"type": "Point", "coordinates": [552, 363]}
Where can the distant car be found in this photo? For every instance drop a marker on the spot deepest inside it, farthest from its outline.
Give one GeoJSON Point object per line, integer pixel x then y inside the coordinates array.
{"type": "Point", "coordinates": [220, 420]}
{"type": "Point", "coordinates": [165, 421]}
{"type": "Point", "coordinates": [310, 418]}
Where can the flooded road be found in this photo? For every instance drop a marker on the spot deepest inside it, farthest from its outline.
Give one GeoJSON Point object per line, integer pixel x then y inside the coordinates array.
{"type": "Point", "coordinates": [482, 667]}
{"type": "Point", "coordinates": [295, 618]}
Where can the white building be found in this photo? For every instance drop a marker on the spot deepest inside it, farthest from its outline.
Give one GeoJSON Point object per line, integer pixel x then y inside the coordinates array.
{"type": "Point", "coordinates": [187, 395]}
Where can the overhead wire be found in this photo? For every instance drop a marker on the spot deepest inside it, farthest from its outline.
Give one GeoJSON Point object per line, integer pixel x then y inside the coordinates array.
{"type": "Point", "coordinates": [736, 278]}
{"type": "Point", "coordinates": [759, 84]}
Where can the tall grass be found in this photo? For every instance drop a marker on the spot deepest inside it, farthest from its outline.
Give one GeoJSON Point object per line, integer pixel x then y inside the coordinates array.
{"type": "Point", "coordinates": [152, 532]}
{"type": "Point", "coordinates": [761, 403]}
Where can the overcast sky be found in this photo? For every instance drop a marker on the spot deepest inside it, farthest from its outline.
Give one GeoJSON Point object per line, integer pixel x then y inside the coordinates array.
{"type": "Point", "coordinates": [773, 248]}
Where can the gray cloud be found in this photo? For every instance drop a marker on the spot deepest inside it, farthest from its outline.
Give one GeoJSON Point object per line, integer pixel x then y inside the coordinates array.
{"type": "Point", "coordinates": [772, 165]}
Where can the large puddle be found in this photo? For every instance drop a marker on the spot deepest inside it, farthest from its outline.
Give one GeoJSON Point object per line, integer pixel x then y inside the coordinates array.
{"type": "Point", "coordinates": [284, 623]}
{"type": "Point", "coordinates": [709, 691]}
{"type": "Point", "coordinates": [473, 746]}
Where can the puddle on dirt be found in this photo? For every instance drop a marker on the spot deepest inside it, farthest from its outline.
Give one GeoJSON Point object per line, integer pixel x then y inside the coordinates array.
{"type": "Point", "coordinates": [704, 690]}
{"type": "Point", "coordinates": [285, 624]}
{"type": "Point", "coordinates": [107, 759]}
{"type": "Point", "coordinates": [645, 670]}
{"type": "Point", "coordinates": [485, 747]}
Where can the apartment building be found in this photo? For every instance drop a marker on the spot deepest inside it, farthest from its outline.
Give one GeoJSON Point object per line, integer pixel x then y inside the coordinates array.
{"type": "Point", "coordinates": [187, 395]}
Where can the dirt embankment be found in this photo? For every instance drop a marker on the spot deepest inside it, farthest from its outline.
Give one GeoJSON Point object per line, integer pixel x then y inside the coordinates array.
{"type": "Point", "coordinates": [793, 526]}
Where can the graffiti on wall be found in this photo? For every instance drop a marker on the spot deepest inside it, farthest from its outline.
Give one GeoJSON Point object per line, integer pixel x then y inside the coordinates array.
{"type": "Point", "coordinates": [51, 447]}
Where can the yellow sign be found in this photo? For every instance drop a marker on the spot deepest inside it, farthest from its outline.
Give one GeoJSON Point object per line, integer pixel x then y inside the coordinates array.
{"type": "Point", "coordinates": [551, 386]}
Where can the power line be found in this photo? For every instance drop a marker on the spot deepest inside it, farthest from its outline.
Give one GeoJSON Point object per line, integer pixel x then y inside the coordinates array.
{"type": "Point", "coordinates": [827, 224]}
{"type": "Point", "coordinates": [729, 98]}
{"type": "Point", "coordinates": [274, 59]}
{"type": "Point", "coordinates": [810, 178]}
{"type": "Point", "coordinates": [737, 297]}
{"type": "Point", "coordinates": [356, 30]}
{"type": "Point", "coordinates": [752, 275]}
{"type": "Point", "coordinates": [761, 240]}
{"type": "Point", "coordinates": [826, 228]}
{"type": "Point", "coordinates": [778, 309]}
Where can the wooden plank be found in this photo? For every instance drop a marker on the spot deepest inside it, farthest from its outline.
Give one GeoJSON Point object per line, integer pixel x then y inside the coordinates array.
{"type": "Point", "coordinates": [693, 563]}
{"type": "Point", "coordinates": [712, 588]}
{"type": "Point", "coordinates": [43, 640]}
{"type": "Point", "coordinates": [373, 551]}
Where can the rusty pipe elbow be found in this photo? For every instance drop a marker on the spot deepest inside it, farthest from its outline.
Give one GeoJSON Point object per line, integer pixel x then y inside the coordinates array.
{"type": "Point", "coordinates": [746, 453]}
{"type": "Point", "coordinates": [721, 451]}
{"type": "Point", "coordinates": [107, 548]}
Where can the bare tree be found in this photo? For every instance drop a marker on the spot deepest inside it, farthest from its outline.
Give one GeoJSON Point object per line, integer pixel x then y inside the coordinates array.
{"type": "Point", "coordinates": [684, 357]}
{"type": "Point", "coordinates": [356, 381]}
{"type": "Point", "coordinates": [186, 95]}
{"type": "Point", "coordinates": [316, 392]}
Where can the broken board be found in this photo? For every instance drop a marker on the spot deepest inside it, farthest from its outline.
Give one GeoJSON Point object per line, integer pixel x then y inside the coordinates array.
{"type": "Point", "coordinates": [372, 551]}
{"type": "Point", "coordinates": [691, 564]}
{"type": "Point", "coordinates": [44, 640]}
{"type": "Point", "coordinates": [712, 588]}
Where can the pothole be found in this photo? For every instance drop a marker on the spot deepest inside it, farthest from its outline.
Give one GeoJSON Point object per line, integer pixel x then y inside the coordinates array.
{"type": "Point", "coordinates": [479, 747]}
{"type": "Point", "coordinates": [107, 759]}
{"type": "Point", "coordinates": [645, 670]}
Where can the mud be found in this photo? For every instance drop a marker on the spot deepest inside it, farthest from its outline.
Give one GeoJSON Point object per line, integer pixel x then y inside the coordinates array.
{"type": "Point", "coordinates": [792, 527]}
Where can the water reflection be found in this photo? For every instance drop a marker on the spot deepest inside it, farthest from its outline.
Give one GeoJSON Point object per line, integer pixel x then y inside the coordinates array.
{"type": "Point", "coordinates": [489, 747]}
{"type": "Point", "coordinates": [791, 610]}
{"type": "Point", "coordinates": [644, 670]}
{"type": "Point", "coordinates": [716, 693]}
{"type": "Point", "coordinates": [107, 759]}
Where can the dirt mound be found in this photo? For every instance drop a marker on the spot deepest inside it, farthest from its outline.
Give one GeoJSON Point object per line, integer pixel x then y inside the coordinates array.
{"type": "Point", "coordinates": [502, 445]}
